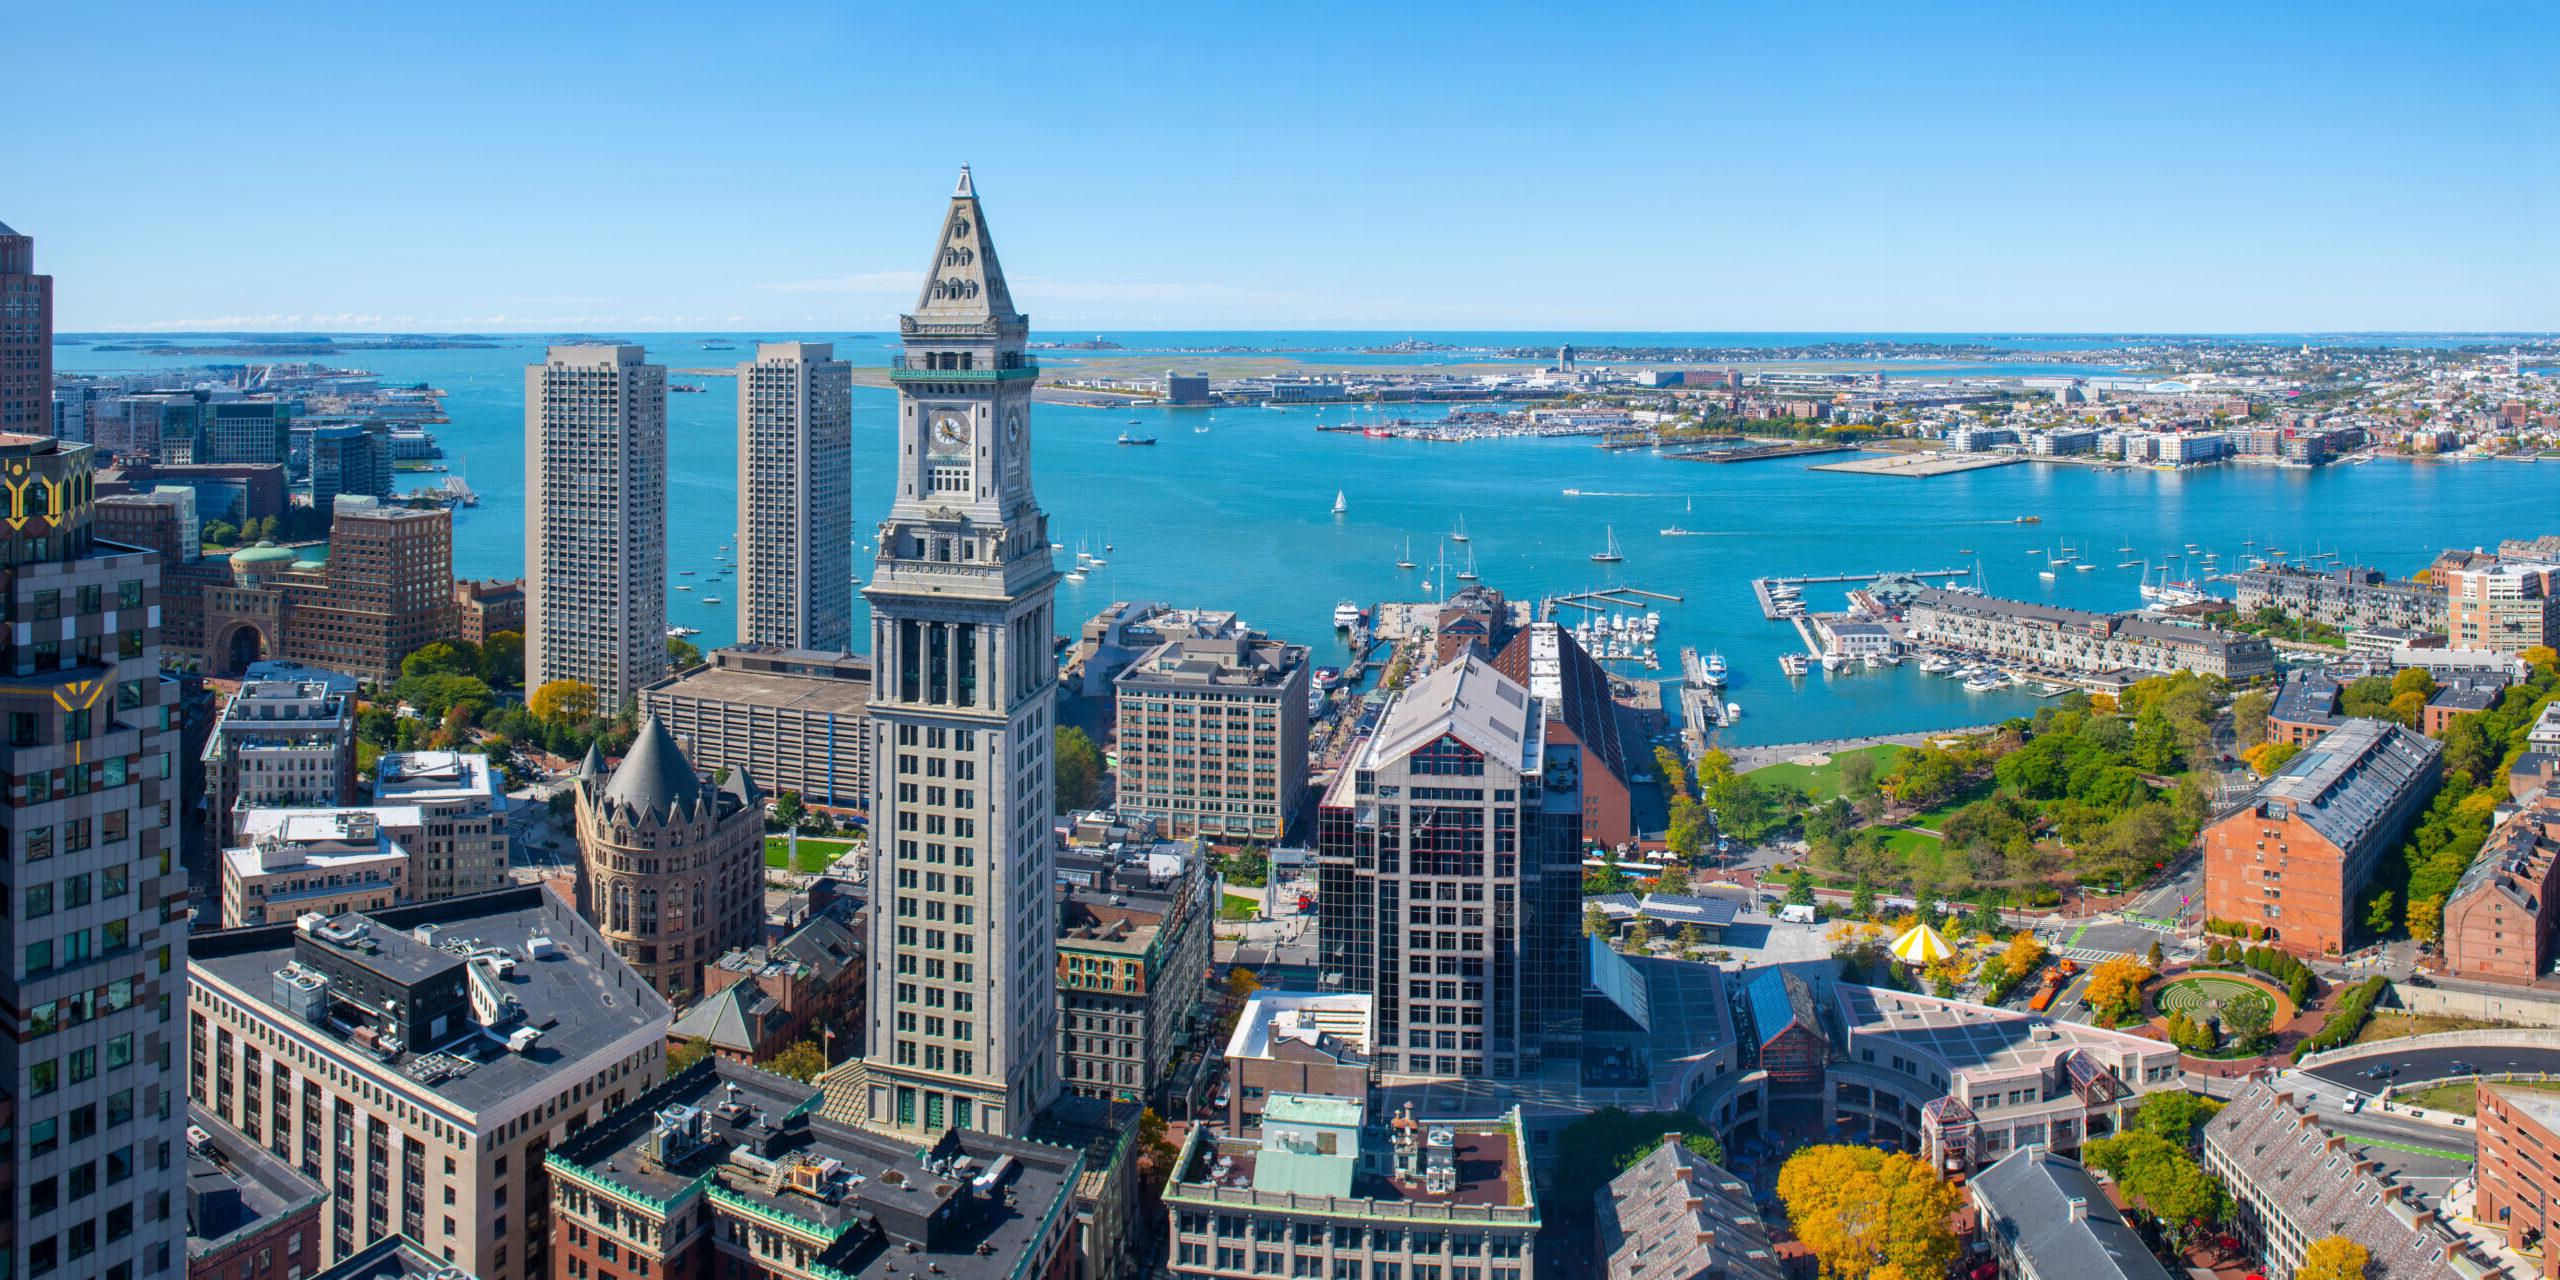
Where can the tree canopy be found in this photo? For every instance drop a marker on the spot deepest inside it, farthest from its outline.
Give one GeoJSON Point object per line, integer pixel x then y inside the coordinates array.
{"type": "Point", "coordinates": [1868, 1213]}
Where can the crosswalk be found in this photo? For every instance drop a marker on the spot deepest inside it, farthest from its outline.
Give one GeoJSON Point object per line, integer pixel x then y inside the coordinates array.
{"type": "Point", "coordinates": [2087, 955]}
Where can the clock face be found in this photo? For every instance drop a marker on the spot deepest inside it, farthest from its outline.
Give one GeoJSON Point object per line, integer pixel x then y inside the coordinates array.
{"type": "Point", "coordinates": [951, 432]}
{"type": "Point", "coordinates": [1013, 428]}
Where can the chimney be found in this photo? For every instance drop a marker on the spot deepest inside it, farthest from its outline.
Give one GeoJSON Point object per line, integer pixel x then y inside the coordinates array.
{"type": "Point", "coordinates": [2079, 1209]}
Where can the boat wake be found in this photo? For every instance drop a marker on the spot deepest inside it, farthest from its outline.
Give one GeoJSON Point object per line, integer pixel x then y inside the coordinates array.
{"type": "Point", "coordinates": [1594, 493]}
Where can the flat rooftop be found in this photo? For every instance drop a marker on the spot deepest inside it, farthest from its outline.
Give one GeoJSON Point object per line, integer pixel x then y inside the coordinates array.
{"type": "Point", "coordinates": [429, 775]}
{"type": "Point", "coordinates": [816, 695]}
{"type": "Point", "coordinates": [1966, 1037]}
{"type": "Point", "coordinates": [1488, 1168]}
{"type": "Point", "coordinates": [756, 1113]}
{"type": "Point", "coordinates": [583, 999]}
{"type": "Point", "coordinates": [1271, 1016]}
{"type": "Point", "coordinates": [262, 1187]}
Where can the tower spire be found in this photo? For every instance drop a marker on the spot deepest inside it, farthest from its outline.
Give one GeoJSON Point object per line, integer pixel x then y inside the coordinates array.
{"type": "Point", "coordinates": [963, 284]}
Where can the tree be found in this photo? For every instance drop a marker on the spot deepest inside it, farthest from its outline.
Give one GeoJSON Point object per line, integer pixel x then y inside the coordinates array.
{"type": "Point", "coordinates": [1870, 1215]}
{"type": "Point", "coordinates": [2380, 911]}
{"type": "Point", "coordinates": [1857, 775]}
{"type": "Point", "coordinates": [2333, 1258]}
{"type": "Point", "coordinates": [442, 657]}
{"type": "Point", "coordinates": [2115, 988]}
{"type": "Point", "coordinates": [220, 533]}
{"type": "Point", "coordinates": [682, 654]}
{"type": "Point", "coordinates": [789, 809]}
{"type": "Point", "coordinates": [1079, 768]}
{"type": "Point", "coordinates": [802, 1061]}
{"type": "Point", "coordinates": [2249, 717]}
{"type": "Point", "coordinates": [2247, 1019]}
{"type": "Point", "coordinates": [1675, 775]}
{"type": "Point", "coordinates": [1674, 880]}
{"type": "Point", "coordinates": [563, 702]}
{"type": "Point", "coordinates": [1862, 904]}
{"type": "Point", "coordinates": [1924, 775]}
{"type": "Point", "coordinates": [2176, 1116]}
{"type": "Point", "coordinates": [2154, 958]}
{"type": "Point", "coordinates": [687, 1054]}
{"type": "Point", "coordinates": [2267, 757]}
{"type": "Point", "coordinates": [1692, 939]}
{"type": "Point", "coordinates": [1242, 983]}
{"type": "Point", "coordinates": [2159, 1177]}
{"type": "Point", "coordinates": [1639, 934]}
{"type": "Point", "coordinates": [502, 659]}
{"type": "Point", "coordinates": [1595, 922]}
{"type": "Point", "coordinates": [1800, 894]}
{"type": "Point", "coordinates": [2409, 708]}
{"type": "Point", "coordinates": [2025, 952]}
{"type": "Point", "coordinates": [1156, 1152]}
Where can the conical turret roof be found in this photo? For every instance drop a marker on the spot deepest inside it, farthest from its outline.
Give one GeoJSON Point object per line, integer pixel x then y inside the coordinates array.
{"type": "Point", "coordinates": [655, 777]}
{"type": "Point", "coordinates": [964, 283]}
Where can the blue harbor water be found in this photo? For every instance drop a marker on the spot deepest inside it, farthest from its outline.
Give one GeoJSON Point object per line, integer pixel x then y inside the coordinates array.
{"type": "Point", "coordinates": [1239, 516]}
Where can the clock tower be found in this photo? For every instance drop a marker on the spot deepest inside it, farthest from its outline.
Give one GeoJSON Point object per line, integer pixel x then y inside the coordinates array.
{"type": "Point", "coordinates": [963, 939]}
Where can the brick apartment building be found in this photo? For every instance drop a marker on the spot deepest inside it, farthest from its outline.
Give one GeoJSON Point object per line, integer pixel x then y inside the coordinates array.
{"type": "Point", "coordinates": [2500, 920]}
{"type": "Point", "coordinates": [2295, 858]}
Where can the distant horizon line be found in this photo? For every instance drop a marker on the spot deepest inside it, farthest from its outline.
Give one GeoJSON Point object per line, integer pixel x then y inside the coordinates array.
{"type": "Point", "coordinates": [2538, 334]}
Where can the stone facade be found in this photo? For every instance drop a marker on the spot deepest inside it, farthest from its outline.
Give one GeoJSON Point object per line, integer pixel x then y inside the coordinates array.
{"type": "Point", "coordinates": [2346, 598]}
{"type": "Point", "coordinates": [674, 863]}
{"type": "Point", "coordinates": [2076, 642]}
{"type": "Point", "coordinates": [1213, 737]}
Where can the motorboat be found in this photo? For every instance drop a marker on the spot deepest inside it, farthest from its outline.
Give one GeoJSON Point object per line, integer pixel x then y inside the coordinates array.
{"type": "Point", "coordinates": [1715, 669]}
{"type": "Point", "coordinates": [1794, 664]}
{"type": "Point", "coordinates": [1985, 683]}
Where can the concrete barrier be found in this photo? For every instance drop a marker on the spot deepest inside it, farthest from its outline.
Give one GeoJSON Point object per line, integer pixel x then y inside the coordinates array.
{"type": "Point", "coordinates": [2529, 1008]}
{"type": "Point", "coordinates": [2511, 1037]}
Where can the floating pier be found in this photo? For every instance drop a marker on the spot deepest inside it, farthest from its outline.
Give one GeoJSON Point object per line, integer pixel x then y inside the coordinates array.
{"type": "Point", "coordinates": [1763, 589]}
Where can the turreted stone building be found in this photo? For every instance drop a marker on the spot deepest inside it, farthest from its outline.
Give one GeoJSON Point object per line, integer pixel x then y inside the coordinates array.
{"type": "Point", "coordinates": [674, 861]}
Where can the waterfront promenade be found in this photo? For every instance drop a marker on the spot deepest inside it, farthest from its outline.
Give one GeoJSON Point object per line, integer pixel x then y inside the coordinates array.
{"type": "Point", "coordinates": [1746, 759]}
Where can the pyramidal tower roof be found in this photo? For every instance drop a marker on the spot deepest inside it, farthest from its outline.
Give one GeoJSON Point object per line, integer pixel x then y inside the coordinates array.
{"type": "Point", "coordinates": [655, 777]}
{"type": "Point", "coordinates": [964, 284]}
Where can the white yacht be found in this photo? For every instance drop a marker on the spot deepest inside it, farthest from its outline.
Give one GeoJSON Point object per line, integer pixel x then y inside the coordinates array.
{"type": "Point", "coordinates": [1346, 615]}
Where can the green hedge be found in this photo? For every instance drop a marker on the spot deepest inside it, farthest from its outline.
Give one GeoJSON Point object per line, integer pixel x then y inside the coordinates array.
{"type": "Point", "coordinates": [2346, 1021]}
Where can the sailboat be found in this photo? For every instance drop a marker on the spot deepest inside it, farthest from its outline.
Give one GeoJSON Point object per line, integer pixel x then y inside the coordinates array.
{"type": "Point", "coordinates": [1609, 554]}
{"type": "Point", "coordinates": [1468, 574]}
{"type": "Point", "coordinates": [1460, 533]}
{"type": "Point", "coordinates": [1340, 503]}
{"type": "Point", "coordinates": [1405, 561]}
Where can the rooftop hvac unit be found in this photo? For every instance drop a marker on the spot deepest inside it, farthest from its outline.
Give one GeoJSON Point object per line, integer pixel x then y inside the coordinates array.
{"type": "Point", "coordinates": [540, 947]}
{"type": "Point", "coordinates": [426, 934]}
{"type": "Point", "coordinates": [302, 992]}
{"type": "Point", "coordinates": [522, 1039]}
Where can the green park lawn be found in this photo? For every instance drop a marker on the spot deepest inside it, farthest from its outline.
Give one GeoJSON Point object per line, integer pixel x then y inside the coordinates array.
{"type": "Point", "coordinates": [815, 853]}
{"type": "Point", "coordinates": [1822, 781]}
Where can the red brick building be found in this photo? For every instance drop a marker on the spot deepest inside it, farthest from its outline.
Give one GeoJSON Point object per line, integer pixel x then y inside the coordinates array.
{"type": "Point", "coordinates": [2519, 1167]}
{"type": "Point", "coordinates": [1794, 1048]}
{"type": "Point", "coordinates": [250, 1216]}
{"type": "Point", "coordinates": [1574, 691]}
{"type": "Point", "coordinates": [2500, 920]}
{"type": "Point", "coordinates": [2295, 858]}
{"type": "Point", "coordinates": [487, 608]}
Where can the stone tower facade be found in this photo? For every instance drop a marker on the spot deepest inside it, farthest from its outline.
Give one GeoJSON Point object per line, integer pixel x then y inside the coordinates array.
{"type": "Point", "coordinates": [963, 1007]}
{"type": "Point", "coordinates": [674, 862]}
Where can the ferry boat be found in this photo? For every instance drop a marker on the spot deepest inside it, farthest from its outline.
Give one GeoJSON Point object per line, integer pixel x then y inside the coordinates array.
{"type": "Point", "coordinates": [1346, 615]}
{"type": "Point", "coordinates": [1715, 668]}
{"type": "Point", "coordinates": [1609, 554]}
{"type": "Point", "coordinates": [1328, 677]}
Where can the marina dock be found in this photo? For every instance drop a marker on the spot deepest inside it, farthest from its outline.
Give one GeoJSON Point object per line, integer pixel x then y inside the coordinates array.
{"type": "Point", "coordinates": [1701, 703]}
{"type": "Point", "coordinates": [1921, 465]}
{"type": "Point", "coordinates": [1605, 600]}
{"type": "Point", "coordinates": [1761, 452]}
{"type": "Point", "coordinates": [1762, 589]}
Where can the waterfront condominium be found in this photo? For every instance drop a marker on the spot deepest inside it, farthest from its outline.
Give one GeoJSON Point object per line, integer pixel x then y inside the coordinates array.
{"type": "Point", "coordinates": [1449, 861]}
{"type": "Point", "coordinates": [96, 931]}
{"type": "Point", "coordinates": [26, 338]}
{"type": "Point", "coordinates": [795, 497]}
{"type": "Point", "coordinates": [963, 954]}
{"type": "Point", "coordinates": [595, 426]}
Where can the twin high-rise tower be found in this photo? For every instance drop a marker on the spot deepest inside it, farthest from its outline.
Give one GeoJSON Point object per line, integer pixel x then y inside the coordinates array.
{"type": "Point", "coordinates": [795, 497]}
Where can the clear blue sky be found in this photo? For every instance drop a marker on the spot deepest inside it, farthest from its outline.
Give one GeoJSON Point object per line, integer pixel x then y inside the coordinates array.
{"type": "Point", "coordinates": [1837, 166]}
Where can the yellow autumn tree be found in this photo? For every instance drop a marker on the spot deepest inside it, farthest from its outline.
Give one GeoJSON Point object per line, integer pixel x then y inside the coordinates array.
{"type": "Point", "coordinates": [2115, 987]}
{"type": "Point", "coordinates": [2024, 954]}
{"type": "Point", "coordinates": [2333, 1258]}
{"type": "Point", "coordinates": [1870, 1215]}
{"type": "Point", "coordinates": [563, 702]}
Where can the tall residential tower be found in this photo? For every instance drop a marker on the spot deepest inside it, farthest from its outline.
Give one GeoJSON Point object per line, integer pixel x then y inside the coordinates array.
{"type": "Point", "coordinates": [795, 497]}
{"type": "Point", "coordinates": [595, 514]}
{"type": "Point", "coordinates": [26, 338]}
{"type": "Point", "coordinates": [964, 1011]}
